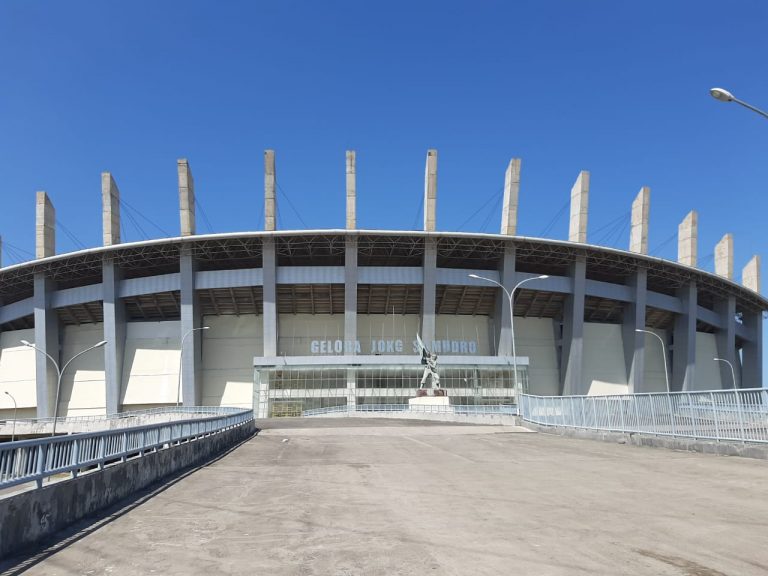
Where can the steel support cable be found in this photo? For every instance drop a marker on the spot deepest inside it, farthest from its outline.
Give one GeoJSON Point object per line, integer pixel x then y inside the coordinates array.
{"type": "Point", "coordinates": [484, 204]}
{"type": "Point", "coordinates": [280, 189]}
{"type": "Point", "coordinates": [419, 212]}
{"type": "Point", "coordinates": [494, 210]}
{"type": "Point", "coordinates": [555, 219]}
{"type": "Point", "coordinates": [663, 244]}
{"type": "Point", "coordinates": [74, 239]}
{"type": "Point", "coordinates": [139, 213]}
{"type": "Point", "coordinates": [207, 222]}
{"type": "Point", "coordinates": [610, 227]}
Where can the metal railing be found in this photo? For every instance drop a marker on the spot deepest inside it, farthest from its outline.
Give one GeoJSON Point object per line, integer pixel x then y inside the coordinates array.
{"type": "Point", "coordinates": [734, 415]}
{"type": "Point", "coordinates": [469, 410]}
{"type": "Point", "coordinates": [35, 460]}
{"type": "Point", "coordinates": [196, 410]}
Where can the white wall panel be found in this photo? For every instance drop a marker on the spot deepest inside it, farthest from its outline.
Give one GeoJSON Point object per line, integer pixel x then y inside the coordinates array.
{"type": "Point", "coordinates": [17, 369]}
{"type": "Point", "coordinates": [463, 329]}
{"type": "Point", "coordinates": [151, 364]}
{"type": "Point", "coordinates": [707, 372]}
{"type": "Point", "coordinates": [82, 387]}
{"type": "Point", "coordinates": [535, 338]}
{"type": "Point", "coordinates": [655, 380]}
{"type": "Point", "coordinates": [296, 332]}
{"type": "Point", "coordinates": [376, 331]}
{"type": "Point", "coordinates": [604, 368]}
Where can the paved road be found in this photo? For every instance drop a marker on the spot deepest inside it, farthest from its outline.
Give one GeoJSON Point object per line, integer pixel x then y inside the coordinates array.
{"type": "Point", "coordinates": [344, 498]}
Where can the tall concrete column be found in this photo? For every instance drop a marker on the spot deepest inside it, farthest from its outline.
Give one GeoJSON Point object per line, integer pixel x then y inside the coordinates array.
{"type": "Point", "coordinates": [270, 199]}
{"type": "Point", "coordinates": [634, 342]}
{"type": "Point", "coordinates": [430, 192]}
{"type": "Point", "coordinates": [684, 346]}
{"type": "Point", "coordinates": [503, 320]}
{"type": "Point", "coordinates": [350, 313]}
{"type": "Point", "coordinates": [750, 274]}
{"type": "Point", "coordinates": [726, 342]}
{"type": "Point", "coordinates": [429, 293]}
{"type": "Point", "coordinates": [47, 341]}
{"type": "Point", "coordinates": [511, 192]}
{"type": "Point", "coordinates": [269, 267]}
{"type": "Point", "coordinates": [186, 198]}
{"type": "Point", "coordinates": [114, 334]}
{"type": "Point", "coordinates": [571, 362]}
{"type": "Point", "coordinates": [351, 190]}
{"type": "Point", "coordinates": [752, 352]}
{"type": "Point", "coordinates": [687, 239]}
{"type": "Point", "coordinates": [191, 318]}
{"type": "Point", "coordinates": [110, 210]}
{"type": "Point", "coordinates": [577, 229]}
{"type": "Point", "coordinates": [724, 257]}
{"type": "Point", "coordinates": [638, 234]}
{"type": "Point", "coordinates": [45, 226]}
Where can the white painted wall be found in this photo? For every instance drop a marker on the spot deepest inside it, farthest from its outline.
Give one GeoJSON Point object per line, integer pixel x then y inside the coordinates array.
{"type": "Point", "coordinates": [297, 331]}
{"type": "Point", "coordinates": [17, 374]}
{"type": "Point", "coordinates": [707, 371]}
{"type": "Point", "coordinates": [655, 380]}
{"type": "Point", "coordinates": [150, 364]}
{"type": "Point", "coordinates": [603, 364]}
{"type": "Point", "coordinates": [228, 350]}
{"type": "Point", "coordinates": [464, 328]}
{"type": "Point", "coordinates": [376, 327]}
{"type": "Point", "coordinates": [535, 338]}
{"type": "Point", "coordinates": [83, 391]}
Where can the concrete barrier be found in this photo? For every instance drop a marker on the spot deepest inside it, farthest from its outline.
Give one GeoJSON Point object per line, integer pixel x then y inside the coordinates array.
{"type": "Point", "coordinates": [488, 419]}
{"type": "Point", "coordinates": [32, 516]}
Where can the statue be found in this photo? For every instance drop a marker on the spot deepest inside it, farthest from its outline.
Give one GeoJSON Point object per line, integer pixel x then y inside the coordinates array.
{"type": "Point", "coordinates": [429, 360]}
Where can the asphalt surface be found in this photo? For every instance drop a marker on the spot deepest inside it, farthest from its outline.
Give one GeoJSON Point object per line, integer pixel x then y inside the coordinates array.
{"type": "Point", "coordinates": [382, 497]}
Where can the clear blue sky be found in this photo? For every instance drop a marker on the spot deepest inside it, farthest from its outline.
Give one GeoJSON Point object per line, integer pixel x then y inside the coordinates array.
{"type": "Point", "coordinates": [617, 88]}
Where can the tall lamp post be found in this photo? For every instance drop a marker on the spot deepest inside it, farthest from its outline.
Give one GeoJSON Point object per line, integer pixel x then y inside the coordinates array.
{"type": "Point", "coordinates": [511, 297]}
{"type": "Point", "coordinates": [13, 430]}
{"type": "Point", "coordinates": [60, 373]}
{"type": "Point", "coordinates": [724, 96]}
{"type": "Point", "coordinates": [181, 357]}
{"type": "Point", "coordinates": [663, 353]}
{"type": "Point", "coordinates": [733, 373]}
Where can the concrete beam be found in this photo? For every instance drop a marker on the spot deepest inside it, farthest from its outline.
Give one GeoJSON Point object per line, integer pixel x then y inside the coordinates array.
{"type": "Point", "coordinates": [571, 361]}
{"type": "Point", "coordinates": [186, 198]}
{"type": "Point", "coordinates": [350, 309]}
{"type": "Point", "coordinates": [687, 239]}
{"type": "Point", "coordinates": [503, 320]}
{"type": "Point", "coordinates": [47, 341]}
{"type": "Point", "coordinates": [270, 199]}
{"type": "Point", "coordinates": [577, 230]}
{"type": "Point", "coordinates": [114, 334]}
{"type": "Point", "coordinates": [430, 192]}
{"type": "Point", "coordinates": [351, 191]}
{"type": "Point", "coordinates": [724, 257]}
{"type": "Point", "coordinates": [190, 321]}
{"type": "Point", "coordinates": [684, 347]}
{"type": "Point", "coordinates": [638, 234]}
{"type": "Point", "coordinates": [634, 342]}
{"type": "Point", "coordinates": [429, 294]}
{"type": "Point", "coordinates": [45, 226]}
{"type": "Point", "coordinates": [750, 275]}
{"type": "Point", "coordinates": [269, 267]}
{"type": "Point", "coordinates": [110, 210]}
{"type": "Point", "coordinates": [511, 192]}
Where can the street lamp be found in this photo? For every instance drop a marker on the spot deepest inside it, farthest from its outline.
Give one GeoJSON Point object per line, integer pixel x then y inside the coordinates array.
{"type": "Point", "coordinates": [60, 372]}
{"type": "Point", "coordinates": [733, 373]}
{"type": "Point", "coordinates": [663, 353]}
{"type": "Point", "coordinates": [724, 96]}
{"type": "Point", "coordinates": [13, 430]}
{"type": "Point", "coordinates": [181, 356]}
{"type": "Point", "coordinates": [511, 296]}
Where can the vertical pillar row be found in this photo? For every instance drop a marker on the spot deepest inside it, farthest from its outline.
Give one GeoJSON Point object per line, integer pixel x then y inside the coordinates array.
{"type": "Point", "coordinates": [47, 342]}
{"type": "Point", "coordinates": [430, 192]}
{"type": "Point", "coordinates": [511, 193]}
{"type": "Point", "coordinates": [634, 341]}
{"type": "Point", "coordinates": [351, 190]}
{"type": "Point", "coordinates": [114, 334]}
{"type": "Point", "coordinates": [577, 228]}
{"type": "Point", "coordinates": [503, 318]}
{"type": "Point", "coordinates": [725, 339]}
{"type": "Point", "coordinates": [638, 234]}
{"type": "Point", "coordinates": [191, 337]}
{"type": "Point", "coordinates": [350, 313]}
{"type": "Point", "coordinates": [571, 363]}
{"type": "Point", "coordinates": [429, 294]}
{"type": "Point", "coordinates": [684, 345]}
{"type": "Point", "coordinates": [687, 239]}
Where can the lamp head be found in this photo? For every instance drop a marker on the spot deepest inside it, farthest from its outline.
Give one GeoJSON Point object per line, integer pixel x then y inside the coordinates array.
{"type": "Point", "coordinates": [100, 344]}
{"type": "Point", "coordinates": [638, 330]}
{"type": "Point", "coordinates": [721, 94]}
{"type": "Point", "coordinates": [474, 276]}
{"type": "Point", "coordinates": [205, 328]}
{"type": "Point", "coordinates": [543, 276]}
{"type": "Point", "coordinates": [26, 343]}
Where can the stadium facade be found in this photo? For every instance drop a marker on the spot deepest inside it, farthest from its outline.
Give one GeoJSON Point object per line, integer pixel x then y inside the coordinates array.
{"type": "Point", "coordinates": [307, 319]}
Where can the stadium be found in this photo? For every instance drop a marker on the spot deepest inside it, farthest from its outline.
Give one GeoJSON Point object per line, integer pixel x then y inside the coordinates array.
{"type": "Point", "coordinates": [287, 321]}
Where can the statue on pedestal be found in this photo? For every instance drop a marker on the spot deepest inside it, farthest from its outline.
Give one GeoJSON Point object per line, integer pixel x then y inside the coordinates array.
{"type": "Point", "coordinates": [429, 360]}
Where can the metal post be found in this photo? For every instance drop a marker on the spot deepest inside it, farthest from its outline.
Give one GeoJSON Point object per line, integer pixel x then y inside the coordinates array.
{"type": "Point", "coordinates": [13, 429]}
{"type": "Point", "coordinates": [714, 413]}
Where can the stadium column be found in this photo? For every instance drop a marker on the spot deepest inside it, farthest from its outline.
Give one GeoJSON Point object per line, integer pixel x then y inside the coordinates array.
{"type": "Point", "coordinates": [571, 361]}
{"type": "Point", "coordinates": [752, 349]}
{"type": "Point", "coordinates": [269, 281]}
{"type": "Point", "coordinates": [46, 320]}
{"type": "Point", "coordinates": [430, 251]}
{"type": "Point", "coordinates": [190, 317]}
{"type": "Point", "coordinates": [113, 307]}
{"type": "Point", "coordinates": [350, 278]}
{"type": "Point", "coordinates": [684, 345]}
{"type": "Point", "coordinates": [634, 342]}
{"type": "Point", "coordinates": [726, 342]}
{"type": "Point", "coordinates": [503, 318]}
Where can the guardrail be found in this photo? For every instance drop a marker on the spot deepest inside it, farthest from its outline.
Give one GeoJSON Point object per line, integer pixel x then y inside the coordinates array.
{"type": "Point", "coordinates": [733, 415]}
{"type": "Point", "coordinates": [197, 410]}
{"type": "Point", "coordinates": [505, 409]}
{"type": "Point", "coordinates": [35, 460]}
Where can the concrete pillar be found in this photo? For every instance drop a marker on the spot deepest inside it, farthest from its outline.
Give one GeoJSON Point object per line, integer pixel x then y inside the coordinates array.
{"type": "Point", "coordinates": [638, 234]}
{"type": "Point", "coordinates": [724, 257]}
{"type": "Point", "coordinates": [429, 293]}
{"type": "Point", "coordinates": [430, 192]}
{"type": "Point", "coordinates": [726, 342]}
{"type": "Point", "coordinates": [684, 345]}
{"type": "Point", "coordinates": [634, 342]}
{"type": "Point", "coordinates": [752, 352]}
{"type": "Point", "coordinates": [511, 192]}
{"type": "Point", "coordinates": [687, 239]}
{"type": "Point", "coordinates": [114, 334]}
{"type": "Point", "coordinates": [350, 312]}
{"type": "Point", "coordinates": [270, 199]}
{"type": "Point", "coordinates": [110, 210]}
{"type": "Point", "coordinates": [45, 226]}
{"type": "Point", "coordinates": [191, 318]}
{"type": "Point", "coordinates": [571, 362]}
{"type": "Point", "coordinates": [750, 275]}
{"type": "Point", "coordinates": [47, 341]}
{"type": "Point", "coordinates": [269, 267]}
{"type": "Point", "coordinates": [351, 191]}
{"type": "Point", "coordinates": [503, 320]}
{"type": "Point", "coordinates": [577, 230]}
{"type": "Point", "coordinates": [186, 198]}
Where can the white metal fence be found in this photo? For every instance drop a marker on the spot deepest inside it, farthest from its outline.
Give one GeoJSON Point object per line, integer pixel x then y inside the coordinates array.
{"type": "Point", "coordinates": [470, 409]}
{"type": "Point", "coordinates": [736, 415]}
{"type": "Point", "coordinates": [34, 460]}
